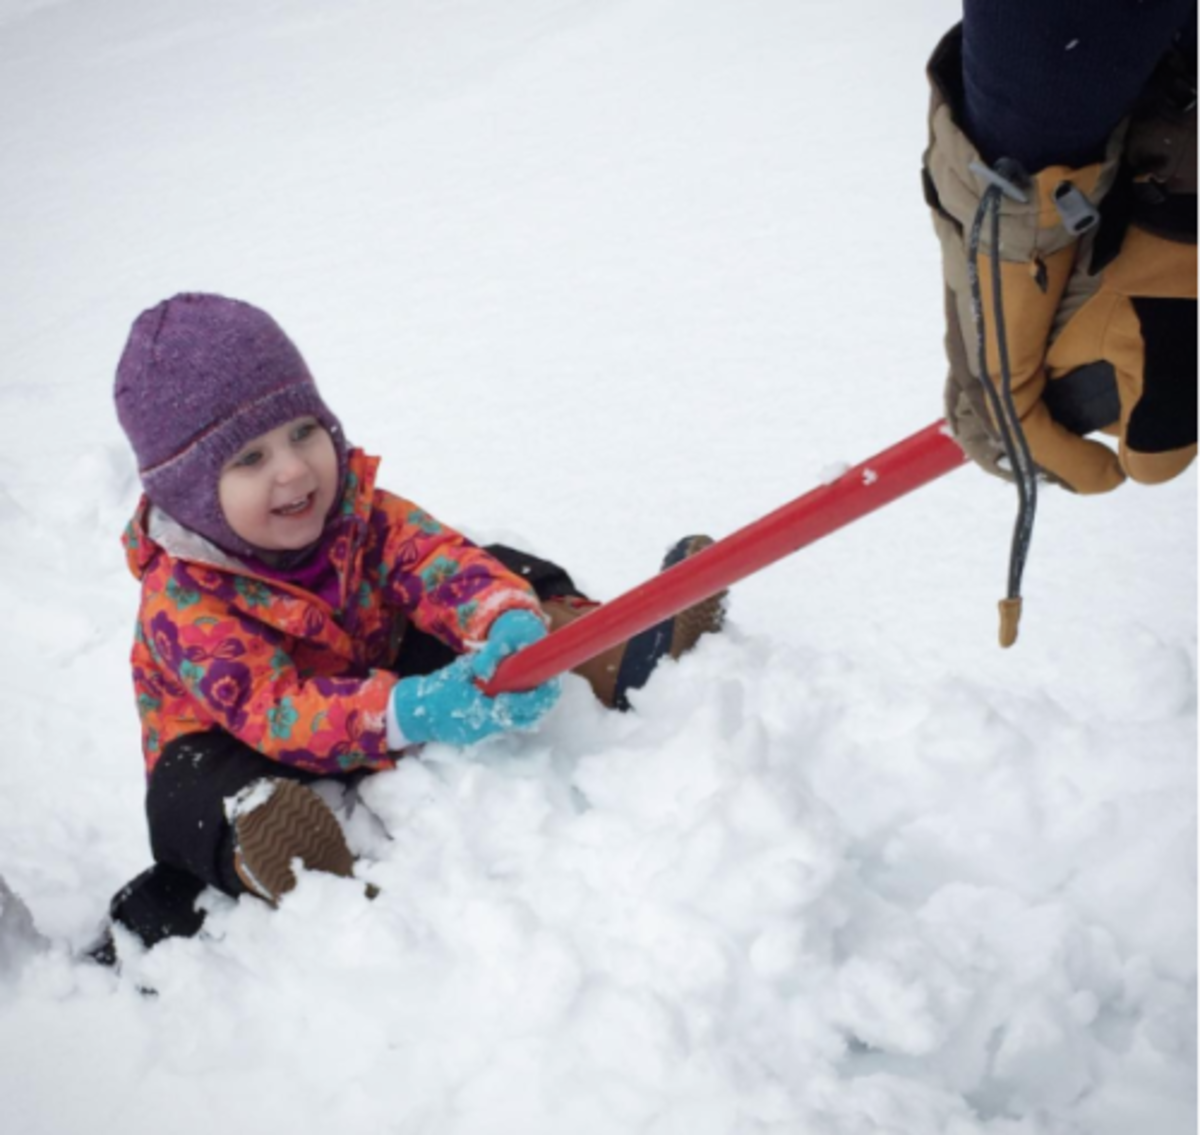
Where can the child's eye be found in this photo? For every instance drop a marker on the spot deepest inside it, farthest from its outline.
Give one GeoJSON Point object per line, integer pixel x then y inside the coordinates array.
{"type": "Point", "coordinates": [305, 431]}
{"type": "Point", "coordinates": [248, 460]}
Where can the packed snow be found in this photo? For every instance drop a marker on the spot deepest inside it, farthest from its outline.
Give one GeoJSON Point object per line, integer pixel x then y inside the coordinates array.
{"type": "Point", "coordinates": [589, 277]}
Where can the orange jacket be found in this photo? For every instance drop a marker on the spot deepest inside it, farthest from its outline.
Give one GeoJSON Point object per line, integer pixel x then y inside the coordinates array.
{"type": "Point", "coordinates": [303, 683]}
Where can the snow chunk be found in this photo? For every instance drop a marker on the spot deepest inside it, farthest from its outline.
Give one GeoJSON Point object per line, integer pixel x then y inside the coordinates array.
{"type": "Point", "coordinates": [831, 472]}
{"type": "Point", "coordinates": [19, 938]}
{"type": "Point", "coordinates": [250, 798]}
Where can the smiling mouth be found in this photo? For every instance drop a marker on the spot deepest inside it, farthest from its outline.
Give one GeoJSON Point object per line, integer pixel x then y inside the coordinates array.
{"type": "Point", "coordinates": [296, 508]}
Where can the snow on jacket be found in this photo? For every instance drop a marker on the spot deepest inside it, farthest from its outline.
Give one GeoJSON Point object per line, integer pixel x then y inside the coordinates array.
{"type": "Point", "coordinates": [219, 647]}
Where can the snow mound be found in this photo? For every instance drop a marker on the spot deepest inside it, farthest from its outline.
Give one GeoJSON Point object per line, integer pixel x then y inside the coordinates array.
{"type": "Point", "coordinates": [694, 917]}
{"type": "Point", "coordinates": [589, 277]}
{"type": "Point", "coordinates": [19, 939]}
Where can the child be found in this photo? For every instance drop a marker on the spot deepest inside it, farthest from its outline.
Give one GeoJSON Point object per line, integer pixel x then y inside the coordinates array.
{"type": "Point", "coordinates": [297, 622]}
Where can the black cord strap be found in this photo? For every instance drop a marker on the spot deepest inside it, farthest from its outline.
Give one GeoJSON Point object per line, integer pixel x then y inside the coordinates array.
{"type": "Point", "coordinates": [1000, 400]}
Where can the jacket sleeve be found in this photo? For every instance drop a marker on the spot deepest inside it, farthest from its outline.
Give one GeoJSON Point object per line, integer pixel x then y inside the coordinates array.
{"type": "Point", "coordinates": [448, 586]}
{"type": "Point", "coordinates": [238, 674]}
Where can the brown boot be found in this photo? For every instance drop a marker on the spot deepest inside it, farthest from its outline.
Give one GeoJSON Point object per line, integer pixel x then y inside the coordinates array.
{"type": "Point", "coordinates": [292, 823]}
{"type": "Point", "coordinates": [628, 665]}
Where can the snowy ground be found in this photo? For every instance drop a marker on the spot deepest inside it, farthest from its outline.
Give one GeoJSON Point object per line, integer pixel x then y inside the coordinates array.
{"type": "Point", "coordinates": [590, 276]}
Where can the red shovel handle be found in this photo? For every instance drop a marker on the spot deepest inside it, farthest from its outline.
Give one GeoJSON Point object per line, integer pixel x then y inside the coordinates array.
{"type": "Point", "coordinates": [911, 463]}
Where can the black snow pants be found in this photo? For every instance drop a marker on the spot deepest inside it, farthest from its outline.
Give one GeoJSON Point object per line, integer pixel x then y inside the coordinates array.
{"type": "Point", "coordinates": [190, 838]}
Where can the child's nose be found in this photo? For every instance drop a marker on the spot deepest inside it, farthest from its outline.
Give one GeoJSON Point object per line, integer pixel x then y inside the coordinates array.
{"type": "Point", "coordinates": [289, 467]}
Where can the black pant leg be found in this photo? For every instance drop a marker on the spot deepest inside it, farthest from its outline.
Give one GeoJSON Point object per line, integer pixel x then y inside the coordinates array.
{"type": "Point", "coordinates": [190, 837]}
{"type": "Point", "coordinates": [548, 579]}
{"type": "Point", "coordinates": [421, 653]}
{"type": "Point", "coordinates": [160, 903]}
{"type": "Point", "coordinates": [185, 803]}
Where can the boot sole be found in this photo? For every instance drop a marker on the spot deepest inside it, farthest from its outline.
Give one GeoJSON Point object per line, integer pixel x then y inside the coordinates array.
{"type": "Point", "coordinates": [293, 824]}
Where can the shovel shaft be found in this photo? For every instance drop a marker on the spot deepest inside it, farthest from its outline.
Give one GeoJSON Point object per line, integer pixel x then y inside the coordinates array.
{"type": "Point", "coordinates": [911, 463]}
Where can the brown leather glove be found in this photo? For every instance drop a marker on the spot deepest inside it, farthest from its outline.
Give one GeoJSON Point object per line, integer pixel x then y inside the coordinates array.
{"type": "Point", "coordinates": [1100, 318]}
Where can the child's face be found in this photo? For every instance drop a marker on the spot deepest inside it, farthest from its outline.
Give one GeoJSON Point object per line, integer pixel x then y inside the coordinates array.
{"type": "Point", "coordinates": [278, 489]}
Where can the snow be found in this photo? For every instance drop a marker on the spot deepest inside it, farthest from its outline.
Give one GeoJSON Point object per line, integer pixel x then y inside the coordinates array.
{"type": "Point", "coordinates": [590, 277]}
{"type": "Point", "coordinates": [19, 939]}
{"type": "Point", "coordinates": [248, 800]}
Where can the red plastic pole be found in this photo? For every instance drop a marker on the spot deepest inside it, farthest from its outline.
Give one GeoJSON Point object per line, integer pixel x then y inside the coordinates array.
{"type": "Point", "coordinates": [926, 455]}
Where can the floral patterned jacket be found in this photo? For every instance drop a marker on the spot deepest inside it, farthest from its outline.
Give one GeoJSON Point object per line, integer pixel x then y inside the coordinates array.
{"type": "Point", "coordinates": [218, 647]}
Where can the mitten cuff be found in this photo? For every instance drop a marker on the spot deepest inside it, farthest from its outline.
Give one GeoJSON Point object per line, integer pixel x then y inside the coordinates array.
{"type": "Point", "coordinates": [1057, 197]}
{"type": "Point", "coordinates": [396, 740]}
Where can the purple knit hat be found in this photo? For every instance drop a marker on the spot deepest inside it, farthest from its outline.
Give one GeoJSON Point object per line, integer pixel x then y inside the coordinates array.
{"type": "Point", "coordinates": [200, 376]}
